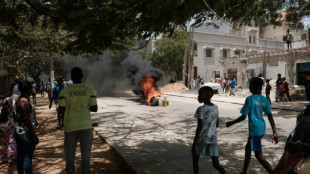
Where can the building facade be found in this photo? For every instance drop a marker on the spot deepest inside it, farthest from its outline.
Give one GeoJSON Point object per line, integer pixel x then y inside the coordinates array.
{"type": "Point", "coordinates": [294, 65]}
{"type": "Point", "coordinates": [213, 46]}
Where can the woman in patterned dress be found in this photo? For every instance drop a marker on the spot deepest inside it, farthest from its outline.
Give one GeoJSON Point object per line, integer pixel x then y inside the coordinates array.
{"type": "Point", "coordinates": [8, 142]}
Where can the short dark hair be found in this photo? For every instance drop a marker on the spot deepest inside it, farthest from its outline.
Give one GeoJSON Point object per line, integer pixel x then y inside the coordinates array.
{"type": "Point", "coordinates": [206, 89]}
{"type": "Point", "coordinates": [267, 80]}
{"type": "Point", "coordinates": [76, 73]}
{"type": "Point", "coordinates": [256, 84]}
{"type": "Point", "coordinates": [24, 86]}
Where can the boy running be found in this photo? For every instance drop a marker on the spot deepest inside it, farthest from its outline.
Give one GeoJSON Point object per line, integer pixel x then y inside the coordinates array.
{"type": "Point", "coordinates": [254, 107]}
{"type": "Point", "coordinates": [205, 141]}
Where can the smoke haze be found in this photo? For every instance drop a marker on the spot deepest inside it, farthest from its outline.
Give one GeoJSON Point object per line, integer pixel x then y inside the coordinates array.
{"type": "Point", "coordinates": [106, 75]}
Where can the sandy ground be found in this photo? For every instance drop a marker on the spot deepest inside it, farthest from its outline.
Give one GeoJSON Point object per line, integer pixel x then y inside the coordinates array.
{"type": "Point", "coordinates": [49, 155]}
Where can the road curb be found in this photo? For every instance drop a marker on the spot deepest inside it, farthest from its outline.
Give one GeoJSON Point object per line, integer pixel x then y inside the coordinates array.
{"type": "Point", "coordinates": [272, 107]}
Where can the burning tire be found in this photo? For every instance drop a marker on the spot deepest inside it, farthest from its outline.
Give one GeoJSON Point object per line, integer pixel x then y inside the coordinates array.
{"type": "Point", "coordinates": [154, 101]}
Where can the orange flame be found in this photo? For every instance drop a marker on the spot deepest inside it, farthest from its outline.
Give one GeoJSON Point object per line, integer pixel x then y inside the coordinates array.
{"type": "Point", "coordinates": [148, 88]}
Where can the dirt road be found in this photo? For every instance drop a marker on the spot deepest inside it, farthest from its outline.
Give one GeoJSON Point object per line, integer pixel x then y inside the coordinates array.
{"type": "Point", "coordinates": [49, 155]}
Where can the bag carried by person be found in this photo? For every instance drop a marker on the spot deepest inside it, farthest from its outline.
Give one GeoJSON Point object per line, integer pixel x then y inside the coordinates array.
{"type": "Point", "coordinates": [4, 114]}
{"type": "Point", "coordinates": [18, 129]}
{"type": "Point", "coordinates": [303, 166]}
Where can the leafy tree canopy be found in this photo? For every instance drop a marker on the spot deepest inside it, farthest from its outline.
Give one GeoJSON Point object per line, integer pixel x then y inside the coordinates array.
{"type": "Point", "coordinates": [169, 52]}
{"type": "Point", "coordinates": [92, 26]}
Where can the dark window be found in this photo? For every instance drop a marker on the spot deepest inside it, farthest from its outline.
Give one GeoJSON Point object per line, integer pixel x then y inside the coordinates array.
{"type": "Point", "coordinates": [224, 53]}
{"type": "Point", "coordinates": [195, 46]}
{"type": "Point", "coordinates": [208, 52]}
{"type": "Point", "coordinates": [254, 40]}
{"type": "Point", "coordinates": [237, 52]}
{"type": "Point", "coordinates": [249, 39]}
{"type": "Point", "coordinates": [195, 49]}
{"type": "Point", "coordinates": [304, 37]}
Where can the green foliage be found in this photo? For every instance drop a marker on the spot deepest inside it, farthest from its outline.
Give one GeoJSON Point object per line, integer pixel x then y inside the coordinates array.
{"type": "Point", "coordinates": [169, 52]}
{"type": "Point", "coordinates": [240, 12]}
{"type": "Point", "coordinates": [93, 26]}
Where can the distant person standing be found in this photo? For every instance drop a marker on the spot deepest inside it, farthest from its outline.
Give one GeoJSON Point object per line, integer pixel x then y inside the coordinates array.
{"type": "Point", "coordinates": [289, 39]}
{"type": "Point", "coordinates": [56, 92]}
{"type": "Point", "coordinates": [227, 85]}
{"type": "Point", "coordinates": [218, 80]}
{"type": "Point", "coordinates": [48, 87]}
{"type": "Point", "coordinates": [261, 76]}
{"type": "Point", "coordinates": [42, 88]}
{"type": "Point", "coordinates": [232, 86]}
{"type": "Point", "coordinates": [286, 89]}
{"type": "Point", "coordinates": [76, 102]}
{"type": "Point", "coordinates": [224, 85]}
{"type": "Point", "coordinates": [268, 89]}
{"type": "Point", "coordinates": [197, 82]}
{"type": "Point", "coordinates": [279, 90]}
{"type": "Point", "coordinates": [34, 92]}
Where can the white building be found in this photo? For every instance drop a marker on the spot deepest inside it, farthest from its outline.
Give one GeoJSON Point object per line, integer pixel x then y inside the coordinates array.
{"type": "Point", "coordinates": [213, 45]}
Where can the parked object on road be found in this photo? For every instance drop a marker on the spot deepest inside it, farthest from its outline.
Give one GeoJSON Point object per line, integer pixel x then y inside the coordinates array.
{"type": "Point", "coordinates": [159, 101]}
{"type": "Point", "coordinates": [215, 86]}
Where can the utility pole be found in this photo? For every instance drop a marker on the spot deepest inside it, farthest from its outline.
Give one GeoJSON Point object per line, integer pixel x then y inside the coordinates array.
{"type": "Point", "coordinates": [184, 63]}
{"type": "Point", "coordinates": [191, 56]}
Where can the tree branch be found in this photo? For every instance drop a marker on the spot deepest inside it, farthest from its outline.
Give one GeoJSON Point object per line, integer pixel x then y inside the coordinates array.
{"type": "Point", "coordinates": [40, 8]}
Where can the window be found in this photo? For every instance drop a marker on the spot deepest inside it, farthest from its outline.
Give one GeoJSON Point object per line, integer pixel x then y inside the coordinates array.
{"type": "Point", "coordinates": [208, 52]}
{"type": "Point", "coordinates": [249, 39]}
{"type": "Point", "coordinates": [224, 53]}
{"type": "Point", "coordinates": [237, 52]}
{"type": "Point", "coordinates": [195, 46]}
{"type": "Point", "coordinates": [195, 49]}
{"type": "Point", "coordinates": [304, 37]}
{"type": "Point", "coordinates": [254, 40]}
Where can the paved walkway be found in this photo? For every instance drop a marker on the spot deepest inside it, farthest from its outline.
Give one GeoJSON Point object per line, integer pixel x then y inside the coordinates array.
{"type": "Point", "coordinates": [157, 140]}
{"type": "Point", "coordinates": [294, 105]}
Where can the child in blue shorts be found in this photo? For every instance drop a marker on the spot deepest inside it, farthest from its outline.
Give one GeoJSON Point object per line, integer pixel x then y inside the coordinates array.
{"type": "Point", "coordinates": [254, 107]}
{"type": "Point", "coordinates": [205, 141]}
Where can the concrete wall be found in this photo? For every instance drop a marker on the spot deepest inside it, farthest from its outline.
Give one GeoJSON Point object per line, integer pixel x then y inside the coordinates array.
{"type": "Point", "coordinates": [274, 69]}
{"type": "Point", "coordinates": [283, 62]}
{"type": "Point", "coordinates": [277, 33]}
